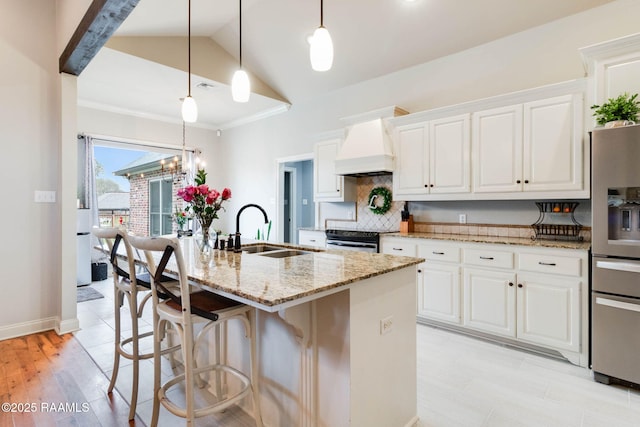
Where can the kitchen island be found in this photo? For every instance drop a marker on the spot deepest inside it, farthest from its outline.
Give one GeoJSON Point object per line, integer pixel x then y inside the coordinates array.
{"type": "Point", "coordinates": [336, 331]}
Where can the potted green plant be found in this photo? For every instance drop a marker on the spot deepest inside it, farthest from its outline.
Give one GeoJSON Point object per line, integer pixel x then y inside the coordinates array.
{"type": "Point", "coordinates": [620, 111]}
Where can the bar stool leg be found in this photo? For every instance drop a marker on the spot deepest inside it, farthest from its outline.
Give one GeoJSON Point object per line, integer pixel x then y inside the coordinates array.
{"type": "Point", "coordinates": [157, 338]}
{"type": "Point", "coordinates": [133, 311]}
{"type": "Point", "coordinates": [116, 356]}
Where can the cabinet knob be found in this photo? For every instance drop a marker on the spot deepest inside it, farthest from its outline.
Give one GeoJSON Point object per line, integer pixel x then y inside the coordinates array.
{"type": "Point", "coordinates": [520, 285]}
{"type": "Point", "coordinates": [419, 271]}
{"type": "Point", "coordinates": [431, 185]}
{"type": "Point", "coordinates": [426, 186]}
{"type": "Point", "coordinates": [338, 190]}
{"type": "Point", "coordinates": [510, 283]}
{"type": "Point", "coordinates": [518, 182]}
{"type": "Point", "coordinates": [526, 181]}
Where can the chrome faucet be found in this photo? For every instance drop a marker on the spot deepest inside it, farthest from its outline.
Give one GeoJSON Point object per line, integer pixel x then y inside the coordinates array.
{"type": "Point", "coordinates": [236, 245]}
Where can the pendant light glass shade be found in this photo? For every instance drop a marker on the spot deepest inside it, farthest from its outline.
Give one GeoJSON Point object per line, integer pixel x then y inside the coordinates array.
{"type": "Point", "coordinates": [189, 110]}
{"type": "Point", "coordinates": [240, 86]}
{"type": "Point", "coordinates": [321, 50]}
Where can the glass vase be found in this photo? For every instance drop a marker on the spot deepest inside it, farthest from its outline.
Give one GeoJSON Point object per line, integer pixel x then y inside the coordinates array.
{"type": "Point", "coordinates": [205, 237]}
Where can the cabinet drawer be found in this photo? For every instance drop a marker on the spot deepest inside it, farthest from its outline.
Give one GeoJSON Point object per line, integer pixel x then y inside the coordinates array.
{"type": "Point", "coordinates": [312, 238]}
{"type": "Point", "coordinates": [567, 266]}
{"type": "Point", "coordinates": [439, 253]}
{"type": "Point", "coordinates": [488, 258]}
{"type": "Point", "coordinates": [399, 248]}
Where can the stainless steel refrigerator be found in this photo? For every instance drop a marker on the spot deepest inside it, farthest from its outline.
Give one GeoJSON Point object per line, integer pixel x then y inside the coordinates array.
{"type": "Point", "coordinates": [615, 266]}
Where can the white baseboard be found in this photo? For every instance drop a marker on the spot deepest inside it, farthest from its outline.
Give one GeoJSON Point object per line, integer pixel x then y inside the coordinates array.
{"type": "Point", "coordinates": [67, 326]}
{"type": "Point", "coordinates": [27, 328]}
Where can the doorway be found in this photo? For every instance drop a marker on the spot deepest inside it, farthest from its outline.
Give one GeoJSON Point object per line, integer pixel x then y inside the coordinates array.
{"type": "Point", "coordinates": [295, 197]}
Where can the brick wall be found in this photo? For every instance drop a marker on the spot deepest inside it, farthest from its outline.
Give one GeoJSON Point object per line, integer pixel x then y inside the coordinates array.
{"type": "Point", "coordinates": [139, 203]}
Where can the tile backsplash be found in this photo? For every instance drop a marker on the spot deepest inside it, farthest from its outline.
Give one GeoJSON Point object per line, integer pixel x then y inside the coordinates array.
{"type": "Point", "coordinates": [365, 218]}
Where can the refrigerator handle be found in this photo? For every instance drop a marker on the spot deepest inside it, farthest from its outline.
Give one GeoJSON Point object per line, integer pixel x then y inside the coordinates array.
{"type": "Point", "coordinates": [617, 304]}
{"type": "Point", "coordinates": [632, 267]}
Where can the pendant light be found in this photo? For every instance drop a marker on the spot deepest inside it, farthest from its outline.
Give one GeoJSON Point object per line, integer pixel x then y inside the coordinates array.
{"type": "Point", "coordinates": [240, 86]}
{"type": "Point", "coordinates": [189, 107]}
{"type": "Point", "coordinates": [321, 50]}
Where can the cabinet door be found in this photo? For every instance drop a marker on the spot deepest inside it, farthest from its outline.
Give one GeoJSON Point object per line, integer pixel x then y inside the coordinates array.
{"type": "Point", "coordinates": [328, 186]}
{"type": "Point", "coordinates": [497, 150]}
{"type": "Point", "coordinates": [411, 169]}
{"type": "Point", "coordinates": [490, 301]}
{"type": "Point", "coordinates": [553, 144]}
{"type": "Point", "coordinates": [439, 292]}
{"type": "Point", "coordinates": [549, 311]}
{"type": "Point", "coordinates": [449, 153]}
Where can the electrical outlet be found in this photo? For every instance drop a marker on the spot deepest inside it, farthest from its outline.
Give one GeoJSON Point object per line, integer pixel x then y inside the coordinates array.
{"type": "Point", "coordinates": [305, 202]}
{"type": "Point", "coordinates": [350, 215]}
{"type": "Point", "coordinates": [386, 325]}
{"type": "Point", "coordinates": [462, 218]}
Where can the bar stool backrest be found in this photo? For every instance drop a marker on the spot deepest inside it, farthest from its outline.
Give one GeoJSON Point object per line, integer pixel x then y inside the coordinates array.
{"type": "Point", "coordinates": [170, 254]}
{"type": "Point", "coordinates": [116, 238]}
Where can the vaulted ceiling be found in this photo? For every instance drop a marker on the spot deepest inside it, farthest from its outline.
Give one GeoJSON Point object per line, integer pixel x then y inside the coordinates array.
{"type": "Point", "coordinates": [142, 68]}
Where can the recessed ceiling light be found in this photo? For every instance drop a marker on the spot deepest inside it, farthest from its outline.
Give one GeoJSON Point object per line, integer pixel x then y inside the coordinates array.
{"type": "Point", "coordinates": [205, 85]}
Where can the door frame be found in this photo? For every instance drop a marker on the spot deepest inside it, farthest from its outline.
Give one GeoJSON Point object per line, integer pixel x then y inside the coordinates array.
{"type": "Point", "coordinates": [293, 204]}
{"type": "Point", "coordinates": [280, 164]}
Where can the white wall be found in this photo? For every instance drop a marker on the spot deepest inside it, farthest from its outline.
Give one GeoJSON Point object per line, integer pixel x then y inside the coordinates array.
{"type": "Point", "coordinates": [29, 103]}
{"type": "Point", "coordinates": [537, 57]}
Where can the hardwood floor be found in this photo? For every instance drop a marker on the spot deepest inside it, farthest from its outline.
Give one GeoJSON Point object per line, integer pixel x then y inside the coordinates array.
{"type": "Point", "coordinates": [462, 382]}
{"type": "Point", "coordinates": [49, 380]}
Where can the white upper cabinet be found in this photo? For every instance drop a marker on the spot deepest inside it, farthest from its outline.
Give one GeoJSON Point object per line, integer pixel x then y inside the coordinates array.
{"type": "Point", "coordinates": [525, 145]}
{"type": "Point", "coordinates": [411, 172]}
{"type": "Point", "coordinates": [449, 155]}
{"type": "Point", "coordinates": [432, 158]}
{"type": "Point", "coordinates": [497, 150]}
{"type": "Point", "coordinates": [553, 144]}
{"type": "Point", "coordinates": [329, 187]}
{"type": "Point", "coordinates": [535, 147]}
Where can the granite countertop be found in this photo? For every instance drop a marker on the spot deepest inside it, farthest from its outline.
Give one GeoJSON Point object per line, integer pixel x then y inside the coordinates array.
{"type": "Point", "coordinates": [542, 243]}
{"type": "Point", "coordinates": [273, 283]}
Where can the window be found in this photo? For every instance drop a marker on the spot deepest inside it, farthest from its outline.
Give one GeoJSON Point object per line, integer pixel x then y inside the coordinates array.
{"type": "Point", "coordinates": [160, 207]}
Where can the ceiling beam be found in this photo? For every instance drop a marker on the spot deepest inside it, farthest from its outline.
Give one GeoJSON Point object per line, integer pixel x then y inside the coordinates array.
{"type": "Point", "coordinates": [102, 19]}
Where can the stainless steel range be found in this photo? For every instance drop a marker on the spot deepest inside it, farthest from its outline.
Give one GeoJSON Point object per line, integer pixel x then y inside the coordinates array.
{"type": "Point", "coordinates": [353, 240]}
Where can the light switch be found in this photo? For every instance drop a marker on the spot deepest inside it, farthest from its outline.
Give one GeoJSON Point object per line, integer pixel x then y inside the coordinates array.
{"type": "Point", "coordinates": [44, 196]}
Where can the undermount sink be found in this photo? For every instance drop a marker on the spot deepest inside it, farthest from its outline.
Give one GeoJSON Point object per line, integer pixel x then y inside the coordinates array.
{"type": "Point", "coordinates": [283, 253]}
{"type": "Point", "coordinates": [260, 248]}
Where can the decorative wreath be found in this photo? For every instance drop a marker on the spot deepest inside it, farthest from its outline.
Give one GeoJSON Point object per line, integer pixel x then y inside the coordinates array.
{"type": "Point", "coordinates": [379, 200]}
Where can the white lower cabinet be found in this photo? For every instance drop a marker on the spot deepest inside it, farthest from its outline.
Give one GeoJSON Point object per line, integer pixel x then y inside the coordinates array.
{"type": "Point", "coordinates": [439, 282]}
{"type": "Point", "coordinates": [542, 309]}
{"type": "Point", "coordinates": [314, 238]}
{"type": "Point", "coordinates": [490, 301]}
{"type": "Point", "coordinates": [549, 311]}
{"type": "Point", "coordinates": [532, 295]}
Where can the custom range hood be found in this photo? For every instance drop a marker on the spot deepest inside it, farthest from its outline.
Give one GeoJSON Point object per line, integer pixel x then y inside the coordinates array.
{"type": "Point", "coordinates": [367, 149]}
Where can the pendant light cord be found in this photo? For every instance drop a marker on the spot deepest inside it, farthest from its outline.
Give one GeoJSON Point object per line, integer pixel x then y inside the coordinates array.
{"type": "Point", "coordinates": [189, 46]}
{"type": "Point", "coordinates": [321, 13]}
{"type": "Point", "coordinates": [240, 29]}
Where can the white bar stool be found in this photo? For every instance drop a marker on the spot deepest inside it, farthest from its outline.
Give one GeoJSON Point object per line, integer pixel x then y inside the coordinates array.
{"type": "Point", "coordinates": [127, 284]}
{"type": "Point", "coordinates": [186, 306]}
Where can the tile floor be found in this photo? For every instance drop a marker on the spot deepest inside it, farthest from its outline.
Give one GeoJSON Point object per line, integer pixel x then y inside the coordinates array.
{"type": "Point", "coordinates": [462, 381]}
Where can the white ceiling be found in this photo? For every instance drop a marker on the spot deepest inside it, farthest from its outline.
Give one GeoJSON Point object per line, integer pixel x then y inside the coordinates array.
{"type": "Point", "coordinates": [371, 38]}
